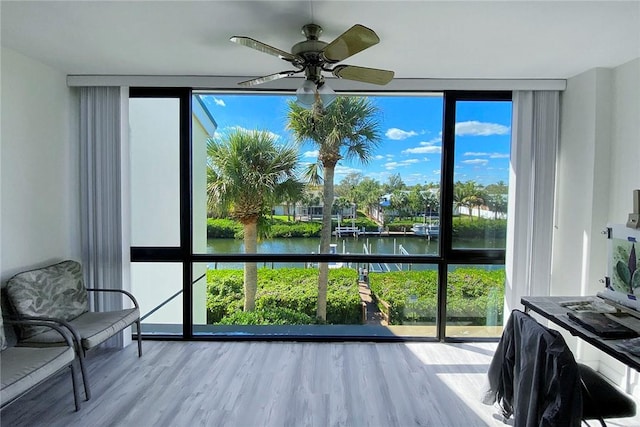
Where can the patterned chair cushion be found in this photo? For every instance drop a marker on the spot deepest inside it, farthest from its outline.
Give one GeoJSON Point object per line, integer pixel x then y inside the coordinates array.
{"type": "Point", "coordinates": [54, 291]}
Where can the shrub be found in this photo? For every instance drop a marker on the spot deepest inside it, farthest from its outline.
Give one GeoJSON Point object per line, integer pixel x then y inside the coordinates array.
{"type": "Point", "coordinates": [412, 295]}
{"type": "Point", "coordinates": [224, 294]}
{"type": "Point", "coordinates": [295, 229]}
{"type": "Point", "coordinates": [279, 227]}
{"type": "Point", "coordinates": [272, 316]}
{"type": "Point", "coordinates": [294, 289]}
{"type": "Point", "coordinates": [479, 228]}
{"type": "Point", "coordinates": [223, 228]}
{"type": "Point", "coordinates": [464, 227]}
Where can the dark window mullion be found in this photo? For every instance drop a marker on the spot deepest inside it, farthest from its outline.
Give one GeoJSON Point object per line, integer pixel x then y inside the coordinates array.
{"type": "Point", "coordinates": [446, 207]}
{"type": "Point", "coordinates": [186, 208]}
{"type": "Point", "coordinates": [183, 253]}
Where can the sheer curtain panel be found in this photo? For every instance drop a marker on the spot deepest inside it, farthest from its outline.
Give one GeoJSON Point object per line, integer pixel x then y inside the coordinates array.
{"type": "Point", "coordinates": [532, 175]}
{"type": "Point", "coordinates": [101, 196]}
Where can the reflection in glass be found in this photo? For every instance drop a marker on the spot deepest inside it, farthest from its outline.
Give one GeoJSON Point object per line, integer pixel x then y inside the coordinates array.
{"type": "Point", "coordinates": [155, 171]}
{"type": "Point", "coordinates": [475, 295]}
{"type": "Point", "coordinates": [158, 288]}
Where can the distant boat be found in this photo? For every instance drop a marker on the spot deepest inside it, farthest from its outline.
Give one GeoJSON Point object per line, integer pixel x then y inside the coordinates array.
{"type": "Point", "coordinates": [431, 230]}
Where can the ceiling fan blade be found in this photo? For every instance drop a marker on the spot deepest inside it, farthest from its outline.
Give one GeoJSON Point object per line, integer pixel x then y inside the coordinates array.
{"type": "Point", "coordinates": [352, 41]}
{"type": "Point", "coordinates": [265, 48]}
{"type": "Point", "coordinates": [363, 74]}
{"type": "Point", "coordinates": [270, 77]}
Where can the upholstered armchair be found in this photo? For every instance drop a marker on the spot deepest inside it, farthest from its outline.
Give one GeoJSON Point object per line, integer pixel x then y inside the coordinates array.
{"type": "Point", "coordinates": [23, 368]}
{"type": "Point", "coordinates": [57, 292]}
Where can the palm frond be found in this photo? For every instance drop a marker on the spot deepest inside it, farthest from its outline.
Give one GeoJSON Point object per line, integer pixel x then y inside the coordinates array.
{"type": "Point", "coordinates": [313, 174]}
{"type": "Point", "coordinates": [244, 172]}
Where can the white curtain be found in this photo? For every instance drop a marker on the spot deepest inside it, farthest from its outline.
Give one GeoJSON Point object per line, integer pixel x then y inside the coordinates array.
{"type": "Point", "coordinates": [534, 145]}
{"type": "Point", "coordinates": [100, 195]}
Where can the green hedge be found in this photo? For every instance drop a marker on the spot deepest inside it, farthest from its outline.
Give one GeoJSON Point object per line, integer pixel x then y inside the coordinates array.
{"type": "Point", "coordinates": [223, 228]}
{"type": "Point", "coordinates": [466, 228]}
{"type": "Point", "coordinates": [275, 316]}
{"type": "Point", "coordinates": [277, 227]}
{"type": "Point", "coordinates": [293, 289]}
{"type": "Point", "coordinates": [473, 295]}
{"type": "Point", "coordinates": [295, 229]}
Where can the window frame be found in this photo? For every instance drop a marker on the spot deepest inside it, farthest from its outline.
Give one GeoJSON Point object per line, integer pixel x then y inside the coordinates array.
{"type": "Point", "coordinates": [447, 254]}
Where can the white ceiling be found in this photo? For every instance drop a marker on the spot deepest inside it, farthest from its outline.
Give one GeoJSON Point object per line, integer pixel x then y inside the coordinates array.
{"type": "Point", "coordinates": [419, 39]}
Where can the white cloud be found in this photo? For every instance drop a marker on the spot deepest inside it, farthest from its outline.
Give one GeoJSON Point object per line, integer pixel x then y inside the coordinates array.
{"type": "Point", "coordinates": [490, 155]}
{"type": "Point", "coordinates": [399, 134]}
{"type": "Point", "coordinates": [394, 165]}
{"type": "Point", "coordinates": [475, 162]}
{"type": "Point", "coordinates": [313, 153]}
{"type": "Point", "coordinates": [378, 157]}
{"type": "Point", "coordinates": [219, 102]}
{"type": "Point", "coordinates": [434, 141]}
{"type": "Point", "coordinates": [391, 165]}
{"type": "Point", "coordinates": [345, 170]}
{"type": "Point", "coordinates": [476, 128]}
{"type": "Point", "coordinates": [424, 149]}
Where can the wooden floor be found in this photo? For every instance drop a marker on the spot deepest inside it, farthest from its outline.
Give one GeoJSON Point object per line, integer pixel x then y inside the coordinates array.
{"type": "Point", "coordinates": [250, 384]}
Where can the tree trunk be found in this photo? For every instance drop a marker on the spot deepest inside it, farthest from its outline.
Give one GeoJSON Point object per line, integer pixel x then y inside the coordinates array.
{"type": "Point", "coordinates": [250, 268]}
{"type": "Point", "coordinates": [325, 241]}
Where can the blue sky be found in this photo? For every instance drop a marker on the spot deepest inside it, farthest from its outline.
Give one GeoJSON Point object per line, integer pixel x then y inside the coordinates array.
{"type": "Point", "coordinates": [411, 135]}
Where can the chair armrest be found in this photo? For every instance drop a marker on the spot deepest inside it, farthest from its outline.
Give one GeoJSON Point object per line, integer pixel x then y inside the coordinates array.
{"type": "Point", "coordinates": [53, 321]}
{"type": "Point", "coordinates": [121, 291]}
{"type": "Point", "coordinates": [47, 323]}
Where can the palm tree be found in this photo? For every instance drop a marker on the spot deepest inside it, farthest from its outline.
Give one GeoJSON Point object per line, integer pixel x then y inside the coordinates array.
{"type": "Point", "coordinates": [468, 194]}
{"type": "Point", "coordinates": [400, 203]}
{"type": "Point", "coordinates": [292, 193]}
{"type": "Point", "coordinates": [246, 173]}
{"type": "Point", "coordinates": [345, 129]}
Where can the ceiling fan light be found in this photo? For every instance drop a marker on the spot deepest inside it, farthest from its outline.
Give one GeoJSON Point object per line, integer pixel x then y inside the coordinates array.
{"type": "Point", "coordinates": [306, 93]}
{"type": "Point", "coordinates": [327, 95]}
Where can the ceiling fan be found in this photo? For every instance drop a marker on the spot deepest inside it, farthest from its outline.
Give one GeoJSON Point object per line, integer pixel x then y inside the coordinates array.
{"type": "Point", "coordinates": [313, 56]}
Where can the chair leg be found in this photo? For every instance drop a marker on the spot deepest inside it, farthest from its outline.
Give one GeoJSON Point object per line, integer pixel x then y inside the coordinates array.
{"type": "Point", "coordinates": [139, 339]}
{"type": "Point", "coordinates": [85, 376]}
{"type": "Point", "coordinates": [76, 386]}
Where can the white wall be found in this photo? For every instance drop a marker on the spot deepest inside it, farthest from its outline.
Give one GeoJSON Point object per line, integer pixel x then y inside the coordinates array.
{"type": "Point", "coordinates": [598, 167]}
{"type": "Point", "coordinates": [625, 135]}
{"type": "Point", "coordinates": [582, 196]}
{"type": "Point", "coordinates": [39, 167]}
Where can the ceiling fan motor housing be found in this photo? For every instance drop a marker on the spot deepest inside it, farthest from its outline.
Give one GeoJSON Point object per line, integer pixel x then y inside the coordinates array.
{"type": "Point", "coordinates": [310, 49]}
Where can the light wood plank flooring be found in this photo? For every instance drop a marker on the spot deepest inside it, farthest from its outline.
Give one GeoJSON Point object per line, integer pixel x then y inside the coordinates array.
{"type": "Point", "coordinates": [249, 384]}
